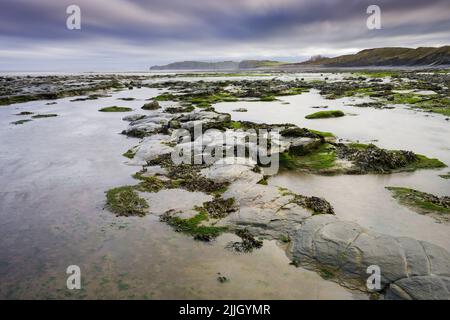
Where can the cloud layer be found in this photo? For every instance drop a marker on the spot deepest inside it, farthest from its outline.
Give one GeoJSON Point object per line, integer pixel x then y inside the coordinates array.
{"type": "Point", "coordinates": [134, 34]}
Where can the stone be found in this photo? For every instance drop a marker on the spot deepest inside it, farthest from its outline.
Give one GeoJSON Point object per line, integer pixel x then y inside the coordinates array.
{"type": "Point", "coordinates": [133, 117]}
{"type": "Point", "coordinates": [151, 105]}
{"type": "Point", "coordinates": [152, 147]}
{"type": "Point", "coordinates": [420, 288]}
{"type": "Point", "coordinates": [410, 269]}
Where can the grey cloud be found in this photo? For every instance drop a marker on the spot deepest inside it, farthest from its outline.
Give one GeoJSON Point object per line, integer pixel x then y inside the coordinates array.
{"type": "Point", "coordinates": [156, 30]}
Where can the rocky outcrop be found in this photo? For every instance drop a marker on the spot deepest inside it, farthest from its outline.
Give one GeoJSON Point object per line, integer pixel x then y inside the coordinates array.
{"type": "Point", "coordinates": [133, 117]}
{"type": "Point", "coordinates": [387, 57]}
{"type": "Point", "coordinates": [410, 269]}
{"type": "Point", "coordinates": [374, 159]}
{"type": "Point", "coordinates": [233, 200]}
{"type": "Point", "coordinates": [151, 124]}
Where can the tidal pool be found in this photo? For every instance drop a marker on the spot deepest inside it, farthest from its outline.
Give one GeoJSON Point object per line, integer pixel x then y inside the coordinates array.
{"type": "Point", "coordinates": [53, 175]}
{"type": "Point", "coordinates": [364, 199]}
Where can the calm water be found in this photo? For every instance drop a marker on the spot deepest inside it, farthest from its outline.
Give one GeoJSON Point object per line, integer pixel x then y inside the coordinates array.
{"type": "Point", "coordinates": [364, 199]}
{"type": "Point", "coordinates": [53, 174]}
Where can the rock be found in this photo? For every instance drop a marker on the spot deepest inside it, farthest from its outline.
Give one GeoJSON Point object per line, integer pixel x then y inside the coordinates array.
{"type": "Point", "coordinates": [409, 268]}
{"type": "Point", "coordinates": [374, 159]}
{"type": "Point", "coordinates": [420, 288]}
{"type": "Point", "coordinates": [151, 105]}
{"type": "Point", "coordinates": [207, 116]}
{"type": "Point", "coordinates": [231, 170]}
{"type": "Point", "coordinates": [263, 210]}
{"type": "Point", "coordinates": [151, 124]}
{"type": "Point", "coordinates": [133, 117]}
{"type": "Point", "coordinates": [152, 147]}
{"type": "Point", "coordinates": [222, 279]}
{"type": "Point", "coordinates": [302, 146]}
{"type": "Point", "coordinates": [415, 257]}
{"type": "Point", "coordinates": [438, 258]}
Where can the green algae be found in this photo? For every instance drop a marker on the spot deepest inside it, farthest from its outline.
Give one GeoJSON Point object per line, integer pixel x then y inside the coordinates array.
{"type": "Point", "coordinates": [115, 109]}
{"type": "Point", "coordinates": [325, 114]}
{"type": "Point", "coordinates": [125, 201]}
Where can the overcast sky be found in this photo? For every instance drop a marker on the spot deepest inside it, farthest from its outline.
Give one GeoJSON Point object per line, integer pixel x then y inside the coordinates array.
{"type": "Point", "coordinates": [135, 34]}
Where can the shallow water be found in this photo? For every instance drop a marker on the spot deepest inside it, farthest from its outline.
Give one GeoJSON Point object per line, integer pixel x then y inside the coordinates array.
{"type": "Point", "coordinates": [53, 174]}
{"type": "Point", "coordinates": [364, 199]}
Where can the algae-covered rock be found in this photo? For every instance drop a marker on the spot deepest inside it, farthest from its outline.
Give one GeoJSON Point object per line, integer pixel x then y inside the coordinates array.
{"type": "Point", "coordinates": [154, 105]}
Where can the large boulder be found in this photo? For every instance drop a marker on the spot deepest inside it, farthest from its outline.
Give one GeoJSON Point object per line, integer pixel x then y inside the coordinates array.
{"type": "Point", "coordinates": [231, 170]}
{"type": "Point", "coordinates": [149, 125]}
{"type": "Point", "coordinates": [264, 209]}
{"type": "Point", "coordinates": [420, 288]}
{"type": "Point", "coordinates": [407, 265]}
{"type": "Point", "coordinates": [151, 148]}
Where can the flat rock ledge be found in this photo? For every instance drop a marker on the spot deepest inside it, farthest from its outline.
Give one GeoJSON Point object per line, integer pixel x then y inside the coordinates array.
{"type": "Point", "coordinates": [410, 269]}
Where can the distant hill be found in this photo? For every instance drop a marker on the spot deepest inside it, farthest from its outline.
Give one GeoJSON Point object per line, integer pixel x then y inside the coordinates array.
{"type": "Point", "coordinates": [422, 56]}
{"type": "Point", "coordinates": [198, 65]}
{"type": "Point", "coordinates": [223, 65]}
{"type": "Point", "coordinates": [254, 64]}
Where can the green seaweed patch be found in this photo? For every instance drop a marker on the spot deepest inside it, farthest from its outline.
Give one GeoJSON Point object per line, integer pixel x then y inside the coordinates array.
{"type": "Point", "coordinates": [235, 125]}
{"type": "Point", "coordinates": [422, 202]}
{"type": "Point", "coordinates": [194, 226]}
{"type": "Point", "coordinates": [130, 153]}
{"type": "Point", "coordinates": [267, 98]}
{"type": "Point", "coordinates": [445, 176]}
{"type": "Point", "coordinates": [180, 176]}
{"type": "Point", "coordinates": [337, 93]}
{"type": "Point", "coordinates": [125, 201]}
{"type": "Point", "coordinates": [325, 114]}
{"type": "Point", "coordinates": [377, 74]}
{"type": "Point", "coordinates": [115, 109]}
{"type": "Point", "coordinates": [359, 146]}
{"type": "Point", "coordinates": [152, 183]}
{"type": "Point", "coordinates": [432, 103]}
{"type": "Point", "coordinates": [293, 91]}
{"type": "Point", "coordinates": [323, 157]}
{"type": "Point", "coordinates": [48, 115]}
{"type": "Point", "coordinates": [424, 162]}
{"type": "Point", "coordinates": [264, 181]}
{"type": "Point", "coordinates": [18, 122]}
{"type": "Point", "coordinates": [165, 97]}
{"type": "Point", "coordinates": [407, 98]}
{"type": "Point", "coordinates": [205, 101]}
{"type": "Point", "coordinates": [324, 134]}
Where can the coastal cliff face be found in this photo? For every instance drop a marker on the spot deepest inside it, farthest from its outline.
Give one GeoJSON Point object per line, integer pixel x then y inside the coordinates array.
{"type": "Point", "coordinates": [376, 57]}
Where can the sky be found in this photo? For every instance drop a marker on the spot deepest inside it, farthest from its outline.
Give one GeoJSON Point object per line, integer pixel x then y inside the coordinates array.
{"type": "Point", "coordinates": [132, 35]}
